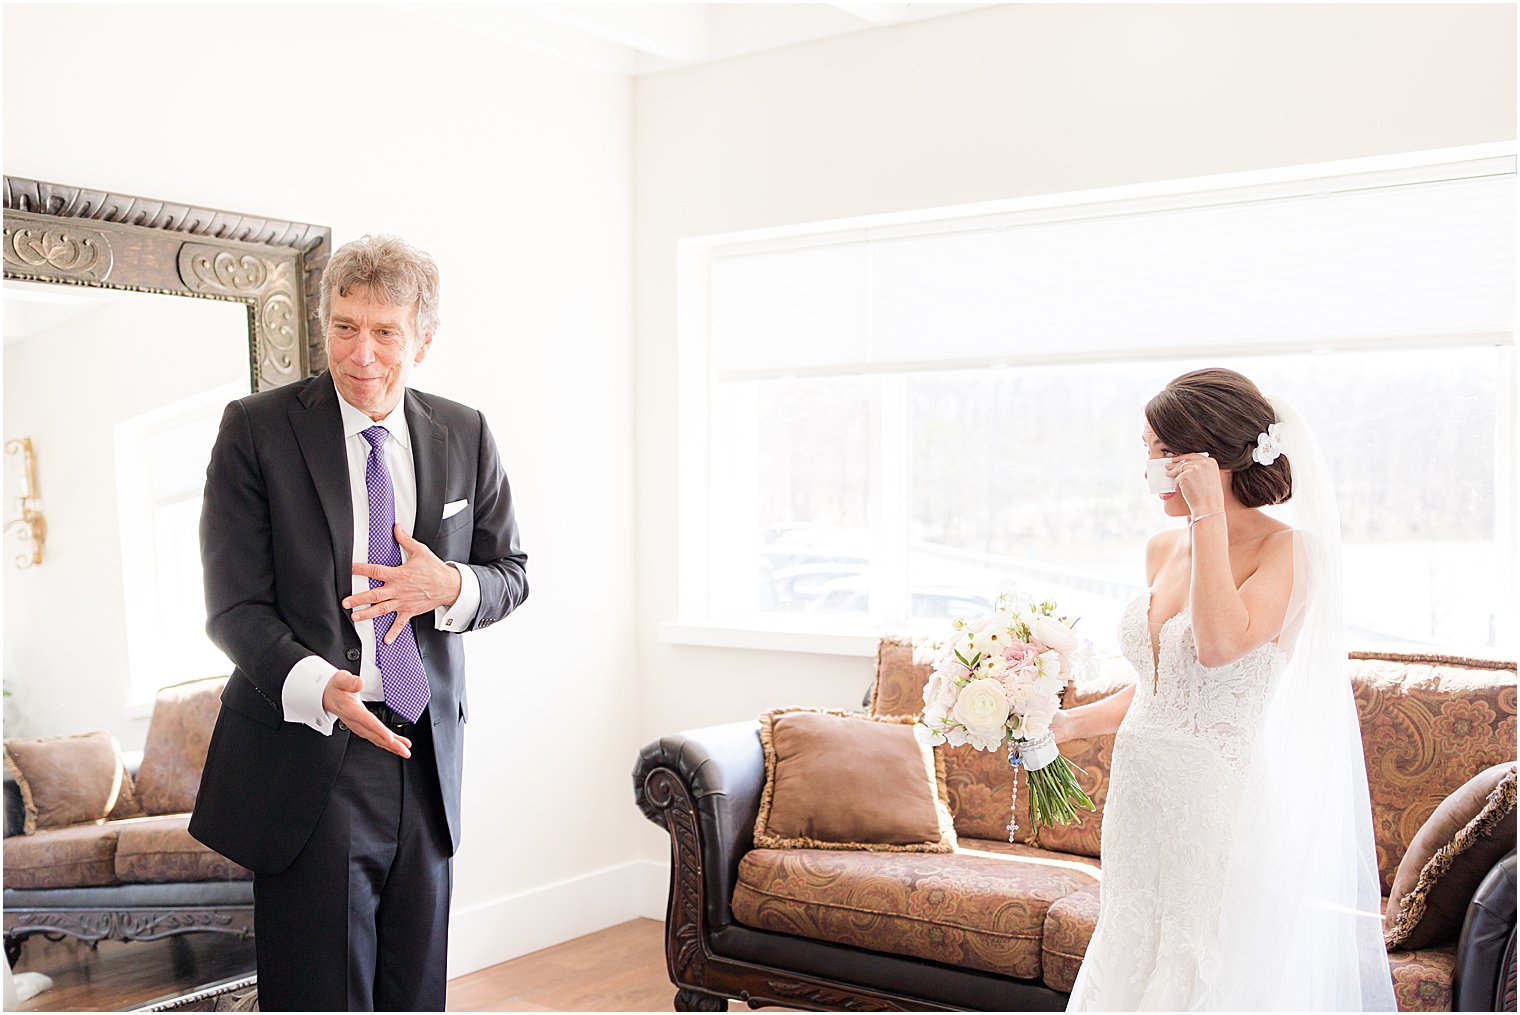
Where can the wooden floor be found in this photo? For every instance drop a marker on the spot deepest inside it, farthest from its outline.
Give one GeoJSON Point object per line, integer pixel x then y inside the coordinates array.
{"type": "Point", "coordinates": [621, 968]}
{"type": "Point", "coordinates": [128, 974]}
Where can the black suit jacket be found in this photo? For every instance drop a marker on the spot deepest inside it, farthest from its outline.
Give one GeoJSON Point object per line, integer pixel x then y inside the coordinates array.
{"type": "Point", "coordinates": [277, 536]}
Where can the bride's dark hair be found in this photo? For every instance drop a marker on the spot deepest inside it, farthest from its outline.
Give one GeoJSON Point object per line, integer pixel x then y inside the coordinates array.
{"type": "Point", "coordinates": [1222, 412]}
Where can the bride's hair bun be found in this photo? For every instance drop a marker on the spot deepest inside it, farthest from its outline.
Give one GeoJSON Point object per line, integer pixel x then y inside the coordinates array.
{"type": "Point", "coordinates": [1222, 412]}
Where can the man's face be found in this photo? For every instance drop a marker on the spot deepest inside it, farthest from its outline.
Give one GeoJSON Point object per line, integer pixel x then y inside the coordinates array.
{"type": "Point", "coordinates": [371, 349]}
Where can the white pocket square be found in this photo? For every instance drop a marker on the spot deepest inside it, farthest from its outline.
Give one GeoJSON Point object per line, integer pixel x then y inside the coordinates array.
{"type": "Point", "coordinates": [453, 507]}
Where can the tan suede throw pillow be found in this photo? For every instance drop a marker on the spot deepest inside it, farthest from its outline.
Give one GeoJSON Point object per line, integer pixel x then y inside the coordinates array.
{"type": "Point", "coordinates": [70, 780]}
{"type": "Point", "coordinates": [1458, 844]}
{"type": "Point", "coordinates": [847, 780]}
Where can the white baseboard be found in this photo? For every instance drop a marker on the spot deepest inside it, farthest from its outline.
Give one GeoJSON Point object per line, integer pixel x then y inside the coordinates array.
{"type": "Point", "coordinates": [492, 932]}
{"type": "Point", "coordinates": [655, 890]}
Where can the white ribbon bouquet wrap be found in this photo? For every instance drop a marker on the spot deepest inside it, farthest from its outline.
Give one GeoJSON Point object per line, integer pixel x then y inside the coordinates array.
{"type": "Point", "coordinates": [998, 681]}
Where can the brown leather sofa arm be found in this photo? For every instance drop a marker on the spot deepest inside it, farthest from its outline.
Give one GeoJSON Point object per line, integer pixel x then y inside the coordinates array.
{"type": "Point", "coordinates": [1484, 977]}
{"type": "Point", "coordinates": [703, 786]}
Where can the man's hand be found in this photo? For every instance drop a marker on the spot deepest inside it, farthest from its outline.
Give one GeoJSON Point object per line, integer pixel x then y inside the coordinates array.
{"type": "Point", "coordinates": [341, 698]}
{"type": "Point", "coordinates": [422, 584]}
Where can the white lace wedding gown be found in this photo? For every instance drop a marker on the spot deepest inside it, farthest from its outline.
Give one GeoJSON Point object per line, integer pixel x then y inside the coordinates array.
{"type": "Point", "coordinates": [1175, 781]}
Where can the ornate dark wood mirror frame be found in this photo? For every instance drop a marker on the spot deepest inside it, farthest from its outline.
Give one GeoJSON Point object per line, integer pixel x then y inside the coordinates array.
{"type": "Point", "coordinates": [78, 236]}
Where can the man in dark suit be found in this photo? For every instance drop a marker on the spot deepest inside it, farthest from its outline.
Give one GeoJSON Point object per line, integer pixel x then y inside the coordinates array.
{"type": "Point", "coordinates": [352, 529]}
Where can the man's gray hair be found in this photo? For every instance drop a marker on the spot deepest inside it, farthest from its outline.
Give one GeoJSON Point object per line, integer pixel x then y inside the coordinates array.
{"type": "Point", "coordinates": [392, 269]}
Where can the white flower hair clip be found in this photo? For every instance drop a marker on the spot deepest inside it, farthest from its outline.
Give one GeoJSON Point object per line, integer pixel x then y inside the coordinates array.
{"type": "Point", "coordinates": [1268, 445]}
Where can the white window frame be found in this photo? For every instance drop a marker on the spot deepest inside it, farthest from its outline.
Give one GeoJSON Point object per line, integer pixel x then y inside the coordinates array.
{"type": "Point", "coordinates": [138, 503]}
{"type": "Point", "coordinates": [695, 377]}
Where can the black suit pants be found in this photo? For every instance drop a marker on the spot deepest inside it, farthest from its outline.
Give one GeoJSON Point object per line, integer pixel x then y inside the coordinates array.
{"type": "Point", "coordinates": [359, 922]}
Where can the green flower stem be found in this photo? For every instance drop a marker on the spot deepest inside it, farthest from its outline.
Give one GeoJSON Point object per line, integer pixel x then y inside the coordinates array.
{"type": "Point", "coordinates": [1054, 792]}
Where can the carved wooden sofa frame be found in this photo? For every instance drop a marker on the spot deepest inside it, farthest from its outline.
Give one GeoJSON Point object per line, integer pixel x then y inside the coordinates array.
{"type": "Point", "coordinates": [124, 912]}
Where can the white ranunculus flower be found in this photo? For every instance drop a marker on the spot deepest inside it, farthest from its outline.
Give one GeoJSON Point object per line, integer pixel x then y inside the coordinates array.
{"type": "Point", "coordinates": [982, 707]}
{"type": "Point", "coordinates": [1052, 633]}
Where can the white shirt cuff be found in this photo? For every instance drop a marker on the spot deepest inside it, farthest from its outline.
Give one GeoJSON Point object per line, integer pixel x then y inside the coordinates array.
{"type": "Point", "coordinates": [459, 616]}
{"type": "Point", "coordinates": [302, 694]}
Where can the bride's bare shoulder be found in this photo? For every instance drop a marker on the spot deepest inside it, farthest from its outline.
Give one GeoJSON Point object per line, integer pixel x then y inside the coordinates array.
{"type": "Point", "coordinates": [1276, 535]}
{"type": "Point", "coordinates": [1272, 527]}
{"type": "Point", "coordinates": [1276, 546]}
{"type": "Point", "coordinates": [1166, 539]}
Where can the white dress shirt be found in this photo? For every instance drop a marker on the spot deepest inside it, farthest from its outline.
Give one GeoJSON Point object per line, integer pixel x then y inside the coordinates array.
{"type": "Point", "coordinates": [307, 679]}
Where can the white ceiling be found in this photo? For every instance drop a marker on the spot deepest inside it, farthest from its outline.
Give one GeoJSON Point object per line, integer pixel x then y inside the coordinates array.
{"type": "Point", "coordinates": [628, 38]}
{"type": "Point", "coordinates": [642, 38]}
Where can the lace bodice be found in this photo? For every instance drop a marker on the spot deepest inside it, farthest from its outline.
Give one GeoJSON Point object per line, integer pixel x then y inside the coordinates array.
{"type": "Point", "coordinates": [1221, 707]}
{"type": "Point", "coordinates": [1177, 779]}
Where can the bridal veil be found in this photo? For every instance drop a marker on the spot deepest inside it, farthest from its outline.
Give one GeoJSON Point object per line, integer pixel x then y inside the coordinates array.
{"type": "Point", "coordinates": [1301, 928]}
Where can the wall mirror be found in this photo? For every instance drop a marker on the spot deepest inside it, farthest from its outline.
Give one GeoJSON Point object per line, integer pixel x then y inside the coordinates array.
{"type": "Point", "coordinates": [129, 324]}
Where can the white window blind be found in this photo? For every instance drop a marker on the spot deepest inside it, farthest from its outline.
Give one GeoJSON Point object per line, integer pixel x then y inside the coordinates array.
{"type": "Point", "coordinates": [1355, 261]}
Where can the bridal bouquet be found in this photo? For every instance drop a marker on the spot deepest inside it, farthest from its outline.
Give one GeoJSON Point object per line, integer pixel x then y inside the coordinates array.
{"type": "Point", "coordinates": [997, 681]}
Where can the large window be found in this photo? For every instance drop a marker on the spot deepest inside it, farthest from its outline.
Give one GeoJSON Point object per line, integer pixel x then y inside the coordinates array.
{"type": "Point", "coordinates": [884, 426]}
{"type": "Point", "coordinates": [161, 461]}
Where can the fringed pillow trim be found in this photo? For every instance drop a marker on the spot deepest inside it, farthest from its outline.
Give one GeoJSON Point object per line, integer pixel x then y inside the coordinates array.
{"type": "Point", "coordinates": [1433, 659]}
{"type": "Point", "coordinates": [29, 805]}
{"type": "Point", "coordinates": [1500, 804]}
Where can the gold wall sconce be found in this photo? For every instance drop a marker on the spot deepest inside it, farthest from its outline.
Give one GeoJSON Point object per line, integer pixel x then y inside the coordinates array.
{"type": "Point", "coordinates": [33, 525]}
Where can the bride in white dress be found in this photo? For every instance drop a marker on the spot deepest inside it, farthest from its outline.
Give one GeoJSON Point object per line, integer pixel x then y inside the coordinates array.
{"type": "Point", "coordinates": [1238, 862]}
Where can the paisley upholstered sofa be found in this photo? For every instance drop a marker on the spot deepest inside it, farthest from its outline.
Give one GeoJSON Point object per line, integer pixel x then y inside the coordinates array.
{"type": "Point", "coordinates": [1000, 926]}
{"type": "Point", "coordinates": [138, 875]}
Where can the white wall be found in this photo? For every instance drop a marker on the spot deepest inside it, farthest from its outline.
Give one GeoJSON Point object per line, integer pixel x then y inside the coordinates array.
{"type": "Point", "coordinates": [513, 170]}
{"type": "Point", "coordinates": [996, 103]}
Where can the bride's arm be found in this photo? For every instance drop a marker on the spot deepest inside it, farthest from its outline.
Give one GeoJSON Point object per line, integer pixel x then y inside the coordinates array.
{"type": "Point", "coordinates": [1229, 622]}
{"type": "Point", "coordinates": [1093, 719]}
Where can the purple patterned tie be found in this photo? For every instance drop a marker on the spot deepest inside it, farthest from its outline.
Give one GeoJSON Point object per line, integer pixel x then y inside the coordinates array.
{"type": "Point", "coordinates": [401, 673]}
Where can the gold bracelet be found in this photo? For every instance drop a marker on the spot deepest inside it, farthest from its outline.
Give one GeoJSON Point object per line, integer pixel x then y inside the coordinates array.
{"type": "Point", "coordinates": [1193, 521]}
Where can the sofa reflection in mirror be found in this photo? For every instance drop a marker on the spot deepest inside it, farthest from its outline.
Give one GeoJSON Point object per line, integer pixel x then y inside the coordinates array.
{"type": "Point", "coordinates": [130, 323]}
{"type": "Point", "coordinates": [96, 845]}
